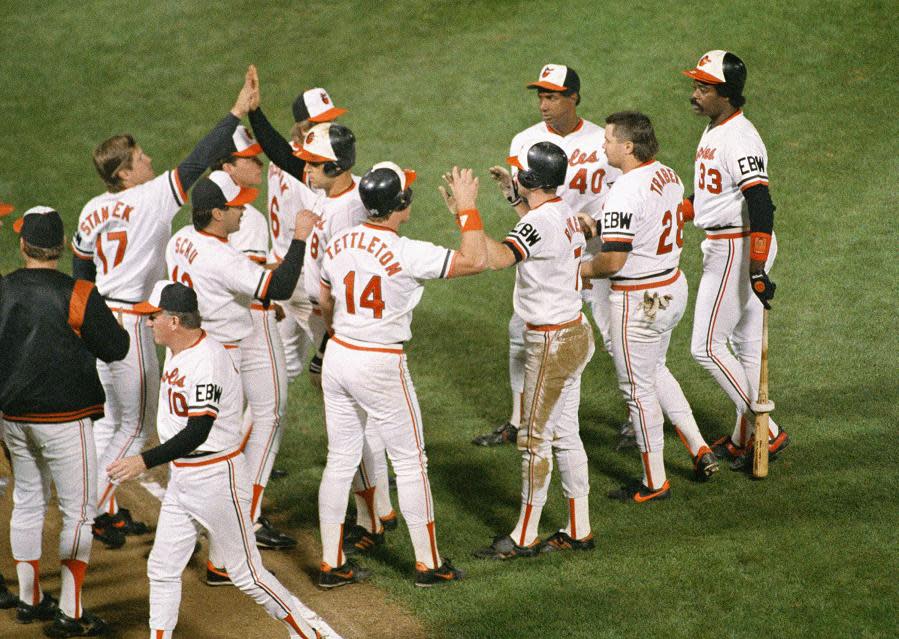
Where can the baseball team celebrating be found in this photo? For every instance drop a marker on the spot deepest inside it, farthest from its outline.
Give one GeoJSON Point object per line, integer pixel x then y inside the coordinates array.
{"type": "Point", "coordinates": [325, 283]}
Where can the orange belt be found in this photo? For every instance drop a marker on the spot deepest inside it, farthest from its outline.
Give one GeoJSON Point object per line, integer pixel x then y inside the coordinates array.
{"type": "Point", "coordinates": [727, 234]}
{"type": "Point", "coordinates": [206, 461]}
{"type": "Point", "coordinates": [375, 349]}
{"type": "Point", "coordinates": [642, 287]}
{"type": "Point", "coordinates": [555, 327]}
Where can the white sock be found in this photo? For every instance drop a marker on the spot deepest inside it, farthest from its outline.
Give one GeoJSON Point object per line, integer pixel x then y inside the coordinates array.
{"type": "Point", "coordinates": [382, 494]}
{"type": "Point", "coordinates": [29, 582]}
{"type": "Point", "coordinates": [424, 541]}
{"type": "Point", "coordinates": [653, 470]}
{"type": "Point", "coordinates": [528, 524]}
{"type": "Point", "coordinates": [517, 399]}
{"type": "Point", "coordinates": [578, 518]}
{"type": "Point", "coordinates": [332, 544]}
{"type": "Point", "coordinates": [160, 634]}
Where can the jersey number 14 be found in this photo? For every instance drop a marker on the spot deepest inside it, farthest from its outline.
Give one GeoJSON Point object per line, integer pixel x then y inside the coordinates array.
{"type": "Point", "coordinates": [370, 297]}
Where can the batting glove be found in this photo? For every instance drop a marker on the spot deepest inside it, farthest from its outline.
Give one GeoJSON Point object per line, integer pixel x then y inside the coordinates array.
{"type": "Point", "coordinates": [763, 287]}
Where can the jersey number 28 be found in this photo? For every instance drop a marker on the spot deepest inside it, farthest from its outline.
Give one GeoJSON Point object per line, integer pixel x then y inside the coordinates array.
{"type": "Point", "coordinates": [669, 222]}
{"type": "Point", "coordinates": [370, 297]}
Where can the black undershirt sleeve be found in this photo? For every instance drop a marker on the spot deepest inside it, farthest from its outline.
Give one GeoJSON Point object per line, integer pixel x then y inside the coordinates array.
{"type": "Point", "coordinates": [216, 145]}
{"type": "Point", "coordinates": [620, 247]}
{"type": "Point", "coordinates": [275, 146]}
{"type": "Point", "coordinates": [284, 278]}
{"type": "Point", "coordinates": [83, 269]}
{"type": "Point", "coordinates": [761, 209]}
{"type": "Point", "coordinates": [184, 443]}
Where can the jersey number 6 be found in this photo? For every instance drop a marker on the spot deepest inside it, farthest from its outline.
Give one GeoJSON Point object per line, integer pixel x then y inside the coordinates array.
{"type": "Point", "coordinates": [370, 298]}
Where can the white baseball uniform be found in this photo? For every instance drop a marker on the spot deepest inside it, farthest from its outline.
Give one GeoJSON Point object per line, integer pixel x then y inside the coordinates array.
{"type": "Point", "coordinates": [209, 487]}
{"type": "Point", "coordinates": [586, 186]}
{"type": "Point", "coordinates": [548, 245]}
{"type": "Point", "coordinates": [644, 216]}
{"type": "Point", "coordinates": [125, 234]}
{"type": "Point", "coordinates": [731, 158]}
{"type": "Point", "coordinates": [263, 367]}
{"type": "Point", "coordinates": [376, 279]}
{"type": "Point", "coordinates": [286, 197]}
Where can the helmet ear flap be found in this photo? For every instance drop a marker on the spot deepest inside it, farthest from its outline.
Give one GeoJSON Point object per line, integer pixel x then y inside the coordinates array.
{"type": "Point", "coordinates": [528, 179]}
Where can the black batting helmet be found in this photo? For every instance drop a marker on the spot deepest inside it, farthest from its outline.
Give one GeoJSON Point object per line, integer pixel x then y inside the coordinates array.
{"type": "Point", "coordinates": [543, 166]}
{"type": "Point", "coordinates": [332, 144]}
{"type": "Point", "coordinates": [724, 70]}
{"type": "Point", "coordinates": [385, 188]}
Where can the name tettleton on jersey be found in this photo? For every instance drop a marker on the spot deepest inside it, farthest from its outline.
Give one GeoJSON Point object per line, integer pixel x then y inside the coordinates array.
{"type": "Point", "coordinates": [372, 244]}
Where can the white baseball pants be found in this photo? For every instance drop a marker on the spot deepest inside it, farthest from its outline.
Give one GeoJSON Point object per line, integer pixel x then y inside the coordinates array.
{"type": "Point", "coordinates": [555, 358]}
{"type": "Point", "coordinates": [132, 392]}
{"type": "Point", "coordinates": [64, 454]}
{"type": "Point", "coordinates": [370, 388]}
{"type": "Point", "coordinates": [301, 329]}
{"type": "Point", "coordinates": [727, 324]}
{"type": "Point", "coordinates": [263, 371]}
{"type": "Point", "coordinates": [641, 331]}
{"type": "Point", "coordinates": [213, 491]}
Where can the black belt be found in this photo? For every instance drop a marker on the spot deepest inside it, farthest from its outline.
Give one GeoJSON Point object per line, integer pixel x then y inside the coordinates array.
{"type": "Point", "coordinates": [114, 299]}
{"type": "Point", "coordinates": [644, 277]}
{"type": "Point", "coordinates": [204, 453]}
{"type": "Point", "coordinates": [722, 228]}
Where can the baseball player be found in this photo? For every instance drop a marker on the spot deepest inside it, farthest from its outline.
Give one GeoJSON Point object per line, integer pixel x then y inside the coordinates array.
{"type": "Point", "coordinates": [371, 280]}
{"type": "Point", "coordinates": [52, 328]}
{"type": "Point", "coordinates": [286, 197]}
{"type": "Point", "coordinates": [642, 235]}
{"type": "Point", "coordinates": [546, 247]}
{"type": "Point", "coordinates": [263, 368]}
{"type": "Point", "coordinates": [587, 181]}
{"type": "Point", "coordinates": [119, 244]}
{"type": "Point", "coordinates": [733, 206]}
{"type": "Point", "coordinates": [327, 187]}
{"type": "Point", "coordinates": [227, 282]}
{"type": "Point", "coordinates": [199, 427]}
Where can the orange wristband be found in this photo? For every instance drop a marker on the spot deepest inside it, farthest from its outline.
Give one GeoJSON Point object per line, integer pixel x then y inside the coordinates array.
{"type": "Point", "coordinates": [689, 213]}
{"type": "Point", "coordinates": [759, 243]}
{"type": "Point", "coordinates": [469, 220]}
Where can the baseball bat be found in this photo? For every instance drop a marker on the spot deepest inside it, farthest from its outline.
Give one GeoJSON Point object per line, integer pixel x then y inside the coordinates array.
{"type": "Point", "coordinates": [761, 409]}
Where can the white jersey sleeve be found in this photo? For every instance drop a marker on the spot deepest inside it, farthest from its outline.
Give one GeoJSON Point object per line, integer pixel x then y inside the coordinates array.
{"type": "Point", "coordinates": [426, 261]}
{"type": "Point", "coordinates": [252, 238]}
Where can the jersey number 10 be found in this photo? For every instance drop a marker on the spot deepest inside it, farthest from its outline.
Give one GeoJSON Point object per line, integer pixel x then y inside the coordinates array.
{"type": "Point", "coordinates": [370, 298]}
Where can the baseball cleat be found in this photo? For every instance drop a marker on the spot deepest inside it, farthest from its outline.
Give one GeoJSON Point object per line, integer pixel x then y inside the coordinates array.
{"type": "Point", "coordinates": [726, 449]}
{"type": "Point", "coordinates": [390, 522]}
{"type": "Point", "coordinates": [217, 576]}
{"type": "Point", "coordinates": [7, 599]}
{"type": "Point", "coordinates": [357, 539]}
{"type": "Point", "coordinates": [504, 547]}
{"type": "Point", "coordinates": [123, 521]}
{"type": "Point", "coordinates": [105, 532]}
{"type": "Point", "coordinates": [44, 611]}
{"type": "Point", "coordinates": [640, 493]}
{"type": "Point", "coordinates": [267, 536]}
{"type": "Point", "coordinates": [705, 464]}
{"type": "Point", "coordinates": [88, 625]}
{"type": "Point", "coordinates": [278, 473]}
{"type": "Point", "coordinates": [348, 573]}
{"type": "Point", "coordinates": [563, 541]}
{"type": "Point", "coordinates": [426, 577]}
{"type": "Point", "coordinates": [504, 434]}
{"type": "Point", "coordinates": [775, 447]}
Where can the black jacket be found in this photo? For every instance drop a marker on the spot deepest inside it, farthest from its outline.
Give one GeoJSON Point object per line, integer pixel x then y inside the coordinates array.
{"type": "Point", "coordinates": [52, 329]}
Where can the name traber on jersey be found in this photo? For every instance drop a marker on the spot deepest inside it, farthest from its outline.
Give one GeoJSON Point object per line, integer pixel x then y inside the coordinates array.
{"type": "Point", "coordinates": [548, 244]}
{"type": "Point", "coordinates": [201, 380]}
{"type": "Point", "coordinates": [731, 158]}
{"type": "Point", "coordinates": [338, 213]}
{"type": "Point", "coordinates": [376, 277]}
{"type": "Point", "coordinates": [589, 175]}
{"type": "Point", "coordinates": [226, 281]}
{"type": "Point", "coordinates": [125, 233]}
{"type": "Point", "coordinates": [644, 215]}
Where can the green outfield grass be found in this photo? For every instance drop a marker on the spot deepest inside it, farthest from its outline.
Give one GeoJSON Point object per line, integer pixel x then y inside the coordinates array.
{"type": "Point", "coordinates": [812, 551]}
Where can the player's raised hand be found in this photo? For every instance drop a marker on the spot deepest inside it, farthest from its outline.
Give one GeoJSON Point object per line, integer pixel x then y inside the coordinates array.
{"type": "Point", "coordinates": [305, 220]}
{"type": "Point", "coordinates": [126, 468]}
{"type": "Point", "coordinates": [589, 226]}
{"type": "Point", "coordinates": [465, 188]}
{"type": "Point", "coordinates": [447, 193]}
{"type": "Point", "coordinates": [506, 184]}
{"type": "Point", "coordinates": [245, 97]}
{"type": "Point", "coordinates": [253, 76]}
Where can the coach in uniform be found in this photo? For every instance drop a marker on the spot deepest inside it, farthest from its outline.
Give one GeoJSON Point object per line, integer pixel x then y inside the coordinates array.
{"type": "Point", "coordinates": [52, 328]}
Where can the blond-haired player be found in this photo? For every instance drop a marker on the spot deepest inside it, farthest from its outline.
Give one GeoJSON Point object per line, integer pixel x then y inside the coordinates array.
{"type": "Point", "coordinates": [642, 235]}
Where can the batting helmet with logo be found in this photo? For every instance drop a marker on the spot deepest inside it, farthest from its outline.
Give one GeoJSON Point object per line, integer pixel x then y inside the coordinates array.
{"type": "Point", "coordinates": [543, 166]}
{"type": "Point", "coordinates": [385, 188]}
{"type": "Point", "coordinates": [330, 144]}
